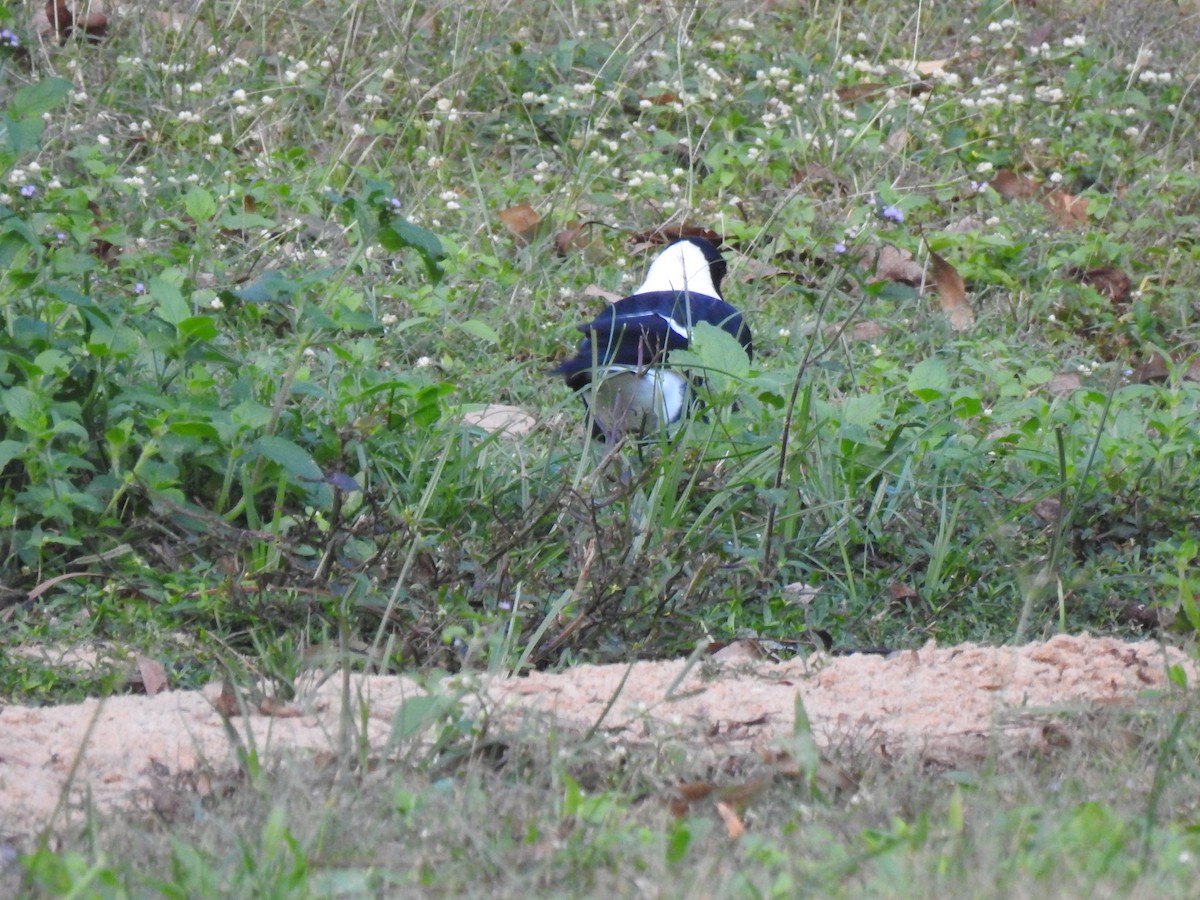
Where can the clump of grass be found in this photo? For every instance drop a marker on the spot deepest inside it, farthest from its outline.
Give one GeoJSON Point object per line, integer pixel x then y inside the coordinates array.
{"type": "Point", "coordinates": [250, 284]}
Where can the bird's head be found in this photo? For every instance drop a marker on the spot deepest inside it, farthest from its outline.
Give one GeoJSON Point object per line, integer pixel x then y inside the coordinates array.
{"type": "Point", "coordinates": [694, 265]}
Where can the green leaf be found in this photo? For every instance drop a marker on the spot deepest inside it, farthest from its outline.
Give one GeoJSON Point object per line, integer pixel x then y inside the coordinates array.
{"type": "Point", "coordinates": [244, 221]}
{"type": "Point", "coordinates": [929, 379]}
{"type": "Point", "coordinates": [200, 204]}
{"type": "Point", "coordinates": [480, 330]}
{"type": "Point", "coordinates": [292, 457]}
{"type": "Point", "coordinates": [171, 305]}
{"type": "Point", "coordinates": [398, 234]}
{"type": "Point", "coordinates": [21, 127]}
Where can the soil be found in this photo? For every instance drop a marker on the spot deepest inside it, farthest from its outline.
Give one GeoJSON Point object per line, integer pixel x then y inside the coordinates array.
{"type": "Point", "coordinates": [949, 706]}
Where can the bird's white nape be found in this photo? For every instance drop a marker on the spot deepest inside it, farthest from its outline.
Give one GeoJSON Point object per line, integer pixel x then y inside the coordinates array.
{"type": "Point", "coordinates": [681, 267]}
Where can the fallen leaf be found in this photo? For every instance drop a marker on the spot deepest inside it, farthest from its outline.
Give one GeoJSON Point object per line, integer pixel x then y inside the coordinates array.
{"type": "Point", "coordinates": [226, 704]}
{"type": "Point", "coordinates": [739, 651]}
{"type": "Point", "coordinates": [277, 708]}
{"type": "Point", "coordinates": [1063, 383]}
{"type": "Point", "coordinates": [901, 593]}
{"type": "Point", "coordinates": [569, 238]}
{"type": "Point", "coordinates": [684, 795]}
{"type": "Point", "coordinates": [800, 594]}
{"type": "Point", "coordinates": [852, 93]}
{"type": "Point", "coordinates": [522, 221]}
{"type": "Point", "coordinates": [154, 675]}
{"type": "Point", "coordinates": [1067, 210]}
{"type": "Point", "coordinates": [593, 290]}
{"type": "Point", "coordinates": [508, 421]}
{"type": "Point", "coordinates": [952, 292]}
{"type": "Point", "coordinates": [733, 823]}
{"type": "Point", "coordinates": [893, 264]}
{"type": "Point", "coordinates": [1108, 281]}
{"type": "Point", "coordinates": [1011, 186]}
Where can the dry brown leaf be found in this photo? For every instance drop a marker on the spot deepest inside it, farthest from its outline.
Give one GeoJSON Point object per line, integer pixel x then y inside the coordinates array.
{"type": "Point", "coordinates": [1108, 281]}
{"type": "Point", "coordinates": [277, 708]}
{"type": "Point", "coordinates": [154, 675]}
{"type": "Point", "coordinates": [594, 290]}
{"type": "Point", "coordinates": [1063, 383]}
{"type": "Point", "coordinates": [226, 704]}
{"type": "Point", "coordinates": [522, 221]}
{"type": "Point", "coordinates": [899, 593]}
{"type": "Point", "coordinates": [508, 421]}
{"type": "Point", "coordinates": [1156, 368]}
{"type": "Point", "coordinates": [570, 238]}
{"type": "Point", "coordinates": [684, 795]}
{"type": "Point", "coordinates": [893, 264]}
{"type": "Point", "coordinates": [1067, 210]}
{"type": "Point", "coordinates": [739, 651]}
{"type": "Point", "coordinates": [733, 823]}
{"type": "Point", "coordinates": [852, 93]}
{"type": "Point", "coordinates": [952, 292]}
{"type": "Point", "coordinates": [1011, 186]}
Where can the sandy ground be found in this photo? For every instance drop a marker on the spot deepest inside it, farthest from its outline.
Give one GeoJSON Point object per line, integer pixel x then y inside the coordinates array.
{"type": "Point", "coordinates": [952, 706]}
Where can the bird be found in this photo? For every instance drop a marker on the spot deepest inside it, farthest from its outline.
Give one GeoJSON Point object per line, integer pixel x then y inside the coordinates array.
{"type": "Point", "coordinates": [622, 368]}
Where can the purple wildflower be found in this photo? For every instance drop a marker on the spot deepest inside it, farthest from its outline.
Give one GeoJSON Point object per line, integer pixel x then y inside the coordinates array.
{"type": "Point", "coordinates": [839, 247]}
{"type": "Point", "coordinates": [139, 288]}
{"type": "Point", "coordinates": [893, 214]}
{"type": "Point", "coordinates": [28, 190]}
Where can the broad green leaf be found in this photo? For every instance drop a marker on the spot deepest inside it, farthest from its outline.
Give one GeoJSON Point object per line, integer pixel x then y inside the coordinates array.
{"type": "Point", "coordinates": [929, 379]}
{"type": "Point", "coordinates": [398, 234]}
{"type": "Point", "coordinates": [200, 204]}
{"type": "Point", "coordinates": [481, 330]}
{"type": "Point", "coordinates": [171, 305]}
{"type": "Point", "coordinates": [292, 457]}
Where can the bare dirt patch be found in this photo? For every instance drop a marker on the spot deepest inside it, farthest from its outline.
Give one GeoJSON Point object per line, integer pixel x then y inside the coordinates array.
{"type": "Point", "coordinates": [951, 706]}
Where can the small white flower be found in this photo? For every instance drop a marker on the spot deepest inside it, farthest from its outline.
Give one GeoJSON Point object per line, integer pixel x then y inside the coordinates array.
{"type": "Point", "coordinates": [215, 303]}
{"type": "Point", "coordinates": [1056, 177]}
{"type": "Point", "coordinates": [216, 140]}
{"type": "Point", "coordinates": [424, 362]}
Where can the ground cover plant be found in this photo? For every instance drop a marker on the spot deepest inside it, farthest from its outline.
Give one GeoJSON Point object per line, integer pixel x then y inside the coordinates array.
{"type": "Point", "coordinates": [259, 265]}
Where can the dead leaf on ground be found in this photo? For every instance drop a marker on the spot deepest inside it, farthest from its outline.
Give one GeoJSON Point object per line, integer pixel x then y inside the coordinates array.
{"type": "Point", "coordinates": [901, 593]}
{"type": "Point", "coordinates": [521, 221]}
{"type": "Point", "coordinates": [570, 238]}
{"type": "Point", "coordinates": [226, 704]}
{"type": "Point", "coordinates": [508, 421]}
{"type": "Point", "coordinates": [1156, 368]}
{"type": "Point", "coordinates": [893, 264]}
{"type": "Point", "coordinates": [62, 22]}
{"type": "Point", "coordinates": [817, 173]}
{"type": "Point", "coordinates": [1108, 281]}
{"type": "Point", "coordinates": [277, 708]}
{"type": "Point", "coordinates": [952, 292]}
{"type": "Point", "coordinates": [852, 93]}
{"type": "Point", "coordinates": [921, 67]}
{"type": "Point", "coordinates": [153, 675]}
{"type": "Point", "coordinates": [855, 333]}
{"type": "Point", "coordinates": [1011, 186]}
{"type": "Point", "coordinates": [594, 290]}
{"type": "Point", "coordinates": [733, 823]}
{"type": "Point", "coordinates": [1064, 383]}
{"type": "Point", "coordinates": [1067, 210]}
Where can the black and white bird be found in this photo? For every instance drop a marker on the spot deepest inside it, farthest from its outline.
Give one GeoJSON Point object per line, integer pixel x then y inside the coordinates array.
{"type": "Point", "coordinates": [622, 369]}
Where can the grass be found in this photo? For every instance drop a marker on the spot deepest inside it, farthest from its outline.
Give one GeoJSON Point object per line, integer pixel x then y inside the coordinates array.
{"type": "Point", "coordinates": [253, 271]}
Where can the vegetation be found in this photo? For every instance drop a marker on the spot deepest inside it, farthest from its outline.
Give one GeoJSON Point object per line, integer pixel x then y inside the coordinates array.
{"type": "Point", "coordinates": [260, 265]}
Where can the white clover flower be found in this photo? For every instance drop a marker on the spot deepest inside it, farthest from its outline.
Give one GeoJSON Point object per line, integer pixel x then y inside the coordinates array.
{"type": "Point", "coordinates": [238, 96]}
{"type": "Point", "coordinates": [984, 167]}
{"type": "Point", "coordinates": [215, 303]}
{"type": "Point", "coordinates": [1056, 177]}
{"type": "Point", "coordinates": [216, 140]}
{"type": "Point", "coordinates": [424, 362]}
{"type": "Point", "coordinates": [102, 140]}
